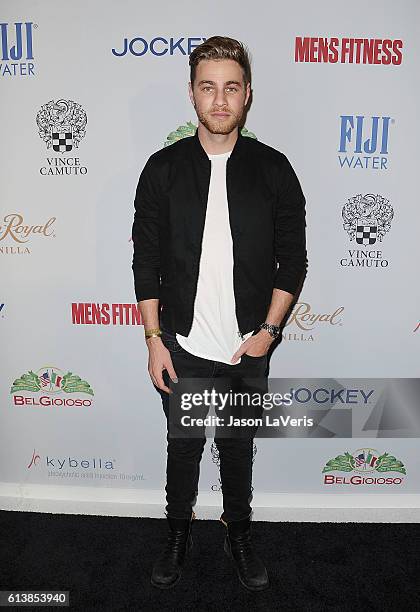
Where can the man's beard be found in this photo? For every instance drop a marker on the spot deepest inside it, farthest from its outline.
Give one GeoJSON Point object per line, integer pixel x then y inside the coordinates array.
{"type": "Point", "coordinates": [219, 126]}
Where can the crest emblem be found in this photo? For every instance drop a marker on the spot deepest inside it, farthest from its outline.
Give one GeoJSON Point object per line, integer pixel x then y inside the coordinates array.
{"type": "Point", "coordinates": [61, 125]}
{"type": "Point", "coordinates": [62, 141]}
{"type": "Point", "coordinates": [367, 218]}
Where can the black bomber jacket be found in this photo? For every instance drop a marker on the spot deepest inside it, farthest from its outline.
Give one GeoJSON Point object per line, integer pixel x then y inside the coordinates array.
{"type": "Point", "coordinates": [267, 222]}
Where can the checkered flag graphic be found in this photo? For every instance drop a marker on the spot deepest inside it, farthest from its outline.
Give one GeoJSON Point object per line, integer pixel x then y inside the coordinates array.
{"type": "Point", "coordinates": [366, 234]}
{"type": "Point", "coordinates": [62, 141]}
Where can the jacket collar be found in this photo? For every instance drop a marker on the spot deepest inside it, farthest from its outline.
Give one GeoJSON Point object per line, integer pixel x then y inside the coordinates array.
{"type": "Point", "coordinates": [200, 152]}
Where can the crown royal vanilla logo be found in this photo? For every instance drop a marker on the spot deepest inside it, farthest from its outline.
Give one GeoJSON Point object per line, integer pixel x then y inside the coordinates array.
{"type": "Point", "coordinates": [303, 319]}
{"type": "Point", "coordinates": [16, 233]}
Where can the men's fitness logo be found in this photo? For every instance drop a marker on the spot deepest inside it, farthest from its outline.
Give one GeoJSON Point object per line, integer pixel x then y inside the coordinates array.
{"type": "Point", "coordinates": [183, 131]}
{"type": "Point", "coordinates": [49, 382]}
{"type": "Point", "coordinates": [215, 457]}
{"type": "Point", "coordinates": [364, 461]}
{"type": "Point", "coordinates": [366, 219]}
{"type": "Point", "coordinates": [62, 126]}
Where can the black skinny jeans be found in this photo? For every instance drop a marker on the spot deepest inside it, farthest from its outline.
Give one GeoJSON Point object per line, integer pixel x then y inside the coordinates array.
{"type": "Point", "coordinates": [235, 453]}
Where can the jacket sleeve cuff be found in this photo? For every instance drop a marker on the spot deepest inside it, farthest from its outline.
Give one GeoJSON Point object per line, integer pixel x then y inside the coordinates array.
{"type": "Point", "coordinates": [146, 288]}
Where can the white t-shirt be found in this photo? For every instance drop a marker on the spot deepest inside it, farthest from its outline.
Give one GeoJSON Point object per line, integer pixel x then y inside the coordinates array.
{"type": "Point", "coordinates": [214, 333]}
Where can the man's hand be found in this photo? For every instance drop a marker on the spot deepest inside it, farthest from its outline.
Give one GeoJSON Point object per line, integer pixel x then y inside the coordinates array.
{"type": "Point", "coordinates": [159, 360]}
{"type": "Point", "coordinates": [254, 346]}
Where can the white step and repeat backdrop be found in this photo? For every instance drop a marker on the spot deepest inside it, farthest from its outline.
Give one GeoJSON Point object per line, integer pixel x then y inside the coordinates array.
{"type": "Point", "coordinates": [87, 94]}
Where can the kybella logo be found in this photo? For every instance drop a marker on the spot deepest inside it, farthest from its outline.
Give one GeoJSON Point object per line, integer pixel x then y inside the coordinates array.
{"type": "Point", "coordinates": [61, 463]}
{"type": "Point", "coordinates": [62, 126]}
{"type": "Point", "coordinates": [363, 461]}
{"type": "Point", "coordinates": [16, 42]}
{"type": "Point", "coordinates": [34, 459]}
{"type": "Point", "coordinates": [366, 219]}
{"type": "Point", "coordinates": [51, 381]}
{"type": "Point", "coordinates": [366, 139]}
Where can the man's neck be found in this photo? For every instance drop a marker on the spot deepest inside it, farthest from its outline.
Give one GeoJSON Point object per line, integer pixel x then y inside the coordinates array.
{"type": "Point", "coordinates": [214, 144]}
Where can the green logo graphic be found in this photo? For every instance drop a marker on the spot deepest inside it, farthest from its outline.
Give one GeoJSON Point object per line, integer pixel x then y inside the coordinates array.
{"type": "Point", "coordinates": [365, 460]}
{"type": "Point", "coordinates": [51, 380]}
{"type": "Point", "coordinates": [189, 130]}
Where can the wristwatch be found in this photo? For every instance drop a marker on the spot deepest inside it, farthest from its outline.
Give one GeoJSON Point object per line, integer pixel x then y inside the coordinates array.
{"type": "Point", "coordinates": [273, 330]}
{"type": "Point", "coordinates": [151, 333]}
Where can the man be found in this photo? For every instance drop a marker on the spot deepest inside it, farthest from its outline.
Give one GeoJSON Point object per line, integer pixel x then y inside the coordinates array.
{"type": "Point", "coordinates": [219, 246]}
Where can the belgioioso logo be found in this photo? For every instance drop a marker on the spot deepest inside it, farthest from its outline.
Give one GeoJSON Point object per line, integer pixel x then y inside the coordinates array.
{"type": "Point", "coordinates": [48, 385]}
{"type": "Point", "coordinates": [364, 461]}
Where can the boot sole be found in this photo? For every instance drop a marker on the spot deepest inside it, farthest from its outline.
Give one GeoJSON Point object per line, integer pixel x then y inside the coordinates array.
{"type": "Point", "coordinates": [162, 585]}
{"type": "Point", "coordinates": [249, 588]}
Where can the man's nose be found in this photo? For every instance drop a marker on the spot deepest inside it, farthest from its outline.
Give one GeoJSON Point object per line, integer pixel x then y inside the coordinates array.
{"type": "Point", "coordinates": [220, 97]}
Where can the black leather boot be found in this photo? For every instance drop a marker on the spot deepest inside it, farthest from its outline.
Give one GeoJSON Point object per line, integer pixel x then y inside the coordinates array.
{"type": "Point", "coordinates": [238, 546]}
{"type": "Point", "coordinates": [167, 568]}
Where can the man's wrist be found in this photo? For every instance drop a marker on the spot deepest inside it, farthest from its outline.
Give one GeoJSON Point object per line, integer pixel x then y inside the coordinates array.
{"type": "Point", "coordinates": [152, 332]}
{"type": "Point", "coordinates": [271, 329]}
{"type": "Point", "coordinates": [153, 340]}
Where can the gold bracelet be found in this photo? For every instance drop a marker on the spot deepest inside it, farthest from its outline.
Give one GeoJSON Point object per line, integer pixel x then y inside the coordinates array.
{"type": "Point", "coordinates": [151, 333]}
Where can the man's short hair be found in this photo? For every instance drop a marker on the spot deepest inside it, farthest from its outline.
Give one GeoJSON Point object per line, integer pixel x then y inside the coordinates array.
{"type": "Point", "coordinates": [221, 47]}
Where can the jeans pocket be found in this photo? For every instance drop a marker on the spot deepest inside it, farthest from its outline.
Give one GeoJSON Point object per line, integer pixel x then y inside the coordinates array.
{"type": "Point", "coordinates": [254, 356]}
{"type": "Point", "coordinates": [169, 340]}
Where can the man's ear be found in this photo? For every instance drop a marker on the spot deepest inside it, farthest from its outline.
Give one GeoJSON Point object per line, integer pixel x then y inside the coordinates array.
{"type": "Point", "coordinates": [247, 93]}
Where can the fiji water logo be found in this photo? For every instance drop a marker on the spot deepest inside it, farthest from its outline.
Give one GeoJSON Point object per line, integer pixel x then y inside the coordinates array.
{"type": "Point", "coordinates": [364, 142]}
{"type": "Point", "coordinates": [364, 461]}
{"type": "Point", "coordinates": [51, 383]}
{"type": "Point", "coordinates": [16, 43]}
